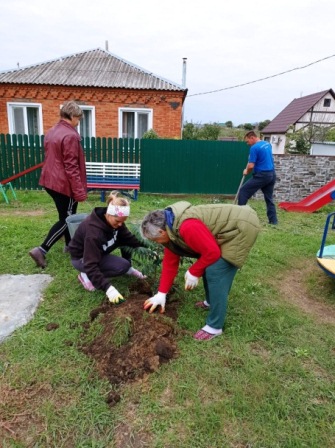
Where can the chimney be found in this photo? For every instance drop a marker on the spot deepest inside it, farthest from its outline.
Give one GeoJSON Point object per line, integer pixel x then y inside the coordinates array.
{"type": "Point", "coordinates": [106, 45]}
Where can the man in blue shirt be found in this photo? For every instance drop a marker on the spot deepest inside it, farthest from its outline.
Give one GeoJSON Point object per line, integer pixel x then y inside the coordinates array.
{"type": "Point", "coordinates": [264, 176]}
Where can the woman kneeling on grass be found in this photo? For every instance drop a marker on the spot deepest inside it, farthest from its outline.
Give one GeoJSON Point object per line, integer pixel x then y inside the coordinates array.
{"type": "Point", "coordinates": [101, 233]}
{"type": "Point", "coordinates": [218, 236]}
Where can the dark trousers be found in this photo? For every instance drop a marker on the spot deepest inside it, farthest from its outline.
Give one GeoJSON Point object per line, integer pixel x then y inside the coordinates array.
{"type": "Point", "coordinates": [264, 181]}
{"type": "Point", "coordinates": [66, 206]}
{"type": "Point", "coordinates": [110, 265]}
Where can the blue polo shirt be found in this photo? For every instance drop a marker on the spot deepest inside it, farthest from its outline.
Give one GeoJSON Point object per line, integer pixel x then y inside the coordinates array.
{"type": "Point", "coordinates": [261, 155]}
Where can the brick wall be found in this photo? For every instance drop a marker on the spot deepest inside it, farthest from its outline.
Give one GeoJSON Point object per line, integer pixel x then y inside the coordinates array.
{"type": "Point", "coordinates": [167, 106]}
{"type": "Point", "coordinates": [300, 175]}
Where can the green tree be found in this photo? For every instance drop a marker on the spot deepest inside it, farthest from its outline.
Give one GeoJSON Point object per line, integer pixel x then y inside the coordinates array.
{"type": "Point", "coordinates": [196, 131]}
{"type": "Point", "coordinates": [190, 131]}
{"type": "Point", "coordinates": [209, 131]}
{"type": "Point", "coordinates": [228, 124]}
{"type": "Point", "coordinates": [330, 135]}
{"type": "Point", "coordinates": [246, 126]}
{"type": "Point", "coordinates": [263, 124]}
{"type": "Point", "coordinates": [299, 142]}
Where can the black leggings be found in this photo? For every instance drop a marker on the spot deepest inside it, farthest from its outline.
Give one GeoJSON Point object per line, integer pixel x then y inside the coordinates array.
{"type": "Point", "coordinates": [66, 206]}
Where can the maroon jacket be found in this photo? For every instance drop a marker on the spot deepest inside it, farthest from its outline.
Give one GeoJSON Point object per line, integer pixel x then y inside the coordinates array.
{"type": "Point", "coordinates": [64, 165]}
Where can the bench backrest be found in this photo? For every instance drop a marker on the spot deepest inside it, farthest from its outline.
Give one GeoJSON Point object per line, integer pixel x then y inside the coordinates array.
{"type": "Point", "coordinates": [109, 169]}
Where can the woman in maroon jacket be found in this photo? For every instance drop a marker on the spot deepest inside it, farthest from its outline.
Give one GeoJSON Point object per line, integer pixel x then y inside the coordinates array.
{"type": "Point", "coordinates": [63, 176]}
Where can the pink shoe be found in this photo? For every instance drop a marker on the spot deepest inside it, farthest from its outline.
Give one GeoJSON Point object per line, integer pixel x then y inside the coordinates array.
{"type": "Point", "coordinates": [202, 335]}
{"type": "Point", "coordinates": [86, 282]}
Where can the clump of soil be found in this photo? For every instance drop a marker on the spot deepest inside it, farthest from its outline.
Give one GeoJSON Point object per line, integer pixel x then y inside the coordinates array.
{"type": "Point", "coordinates": [132, 343]}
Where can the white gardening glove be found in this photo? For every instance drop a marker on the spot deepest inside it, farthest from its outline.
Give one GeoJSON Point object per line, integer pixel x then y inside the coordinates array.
{"type": "Point", "coordinates": [114, 296]}
{"type": "Point", "coordinates": [190, 281]}
{"type": "Point", "coordinates": [158, 299]}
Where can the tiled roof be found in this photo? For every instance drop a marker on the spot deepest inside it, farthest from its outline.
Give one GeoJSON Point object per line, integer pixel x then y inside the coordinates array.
{"type": "Point", "coordinates": [93, 68]}
{"type": "Point", "coordinates": [295, 110]}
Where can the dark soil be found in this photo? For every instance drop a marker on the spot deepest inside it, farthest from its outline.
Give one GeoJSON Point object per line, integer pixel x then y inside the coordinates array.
{"type": "Point", "coordinates": [132, 343]}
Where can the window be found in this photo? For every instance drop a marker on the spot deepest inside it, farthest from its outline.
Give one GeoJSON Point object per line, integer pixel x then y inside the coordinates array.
{"type": "Point", "coordinates": [326, 102]}
{"type": "Point", "coordinates": [25, 118]}
{"type": "Point", "coordinates": [86, 126]}
{"type": "Point", "coordinates": [133, 123]}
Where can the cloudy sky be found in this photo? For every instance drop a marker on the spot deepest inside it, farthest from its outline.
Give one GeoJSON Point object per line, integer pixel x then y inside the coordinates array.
{"type": "Point", "coordinates": [226, 44]}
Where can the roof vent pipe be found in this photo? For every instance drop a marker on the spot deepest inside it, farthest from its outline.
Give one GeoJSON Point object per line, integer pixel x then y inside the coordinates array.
{"type": "Point", "coordinates": [183, 82]}
{"type": "Point", "coordinates": [106, 45]}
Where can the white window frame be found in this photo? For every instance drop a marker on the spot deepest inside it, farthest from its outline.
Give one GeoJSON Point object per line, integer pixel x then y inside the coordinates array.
{"type": "Point", "coordinates": [92, 109]}
{"type": "Point", "coordinates": [11, 121]}
{"type": "Point", "coordinates": [149, 112]}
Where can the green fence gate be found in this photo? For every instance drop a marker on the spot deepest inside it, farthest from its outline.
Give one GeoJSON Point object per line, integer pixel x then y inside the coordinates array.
{"type": "Point", "coordinates": [192, 166]}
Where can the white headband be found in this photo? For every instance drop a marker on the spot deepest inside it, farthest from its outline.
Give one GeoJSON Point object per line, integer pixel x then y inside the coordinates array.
{"type": "Point", "coordinates": [118, 210]}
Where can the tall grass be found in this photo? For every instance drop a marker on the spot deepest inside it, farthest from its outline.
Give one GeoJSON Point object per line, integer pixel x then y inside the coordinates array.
{"type": "Point", "coordinates": [268, 381]}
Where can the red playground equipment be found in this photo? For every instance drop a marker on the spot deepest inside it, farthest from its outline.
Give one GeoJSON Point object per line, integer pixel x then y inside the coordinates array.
{"type": "Point", "coordinates": [6, 183]}
{"type": "Point", "coordinates": [314, 201]}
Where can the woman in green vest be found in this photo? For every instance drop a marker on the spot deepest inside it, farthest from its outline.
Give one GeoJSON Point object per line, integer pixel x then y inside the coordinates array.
{"type": "Point", "coordinates": [218, 236]}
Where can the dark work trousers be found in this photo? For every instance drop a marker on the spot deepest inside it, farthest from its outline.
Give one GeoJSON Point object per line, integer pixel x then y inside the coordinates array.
{"type": "Point", "coordinates": [110, 265]}
{"type": "Point", "coordinates": [264, 181]}
{"type": "Point", "coordinates": [66, 206]}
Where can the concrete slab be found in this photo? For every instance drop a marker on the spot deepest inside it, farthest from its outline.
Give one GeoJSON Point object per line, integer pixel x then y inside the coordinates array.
{"type": "Point", "coordinates": [19, 299]}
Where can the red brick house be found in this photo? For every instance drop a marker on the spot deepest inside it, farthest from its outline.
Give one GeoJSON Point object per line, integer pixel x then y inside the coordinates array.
{"type": "Point", "coordinates": [118, 98]}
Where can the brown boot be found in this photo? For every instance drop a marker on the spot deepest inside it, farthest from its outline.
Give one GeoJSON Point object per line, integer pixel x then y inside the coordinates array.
{"type": "Point", "coordinates": [38, 256]}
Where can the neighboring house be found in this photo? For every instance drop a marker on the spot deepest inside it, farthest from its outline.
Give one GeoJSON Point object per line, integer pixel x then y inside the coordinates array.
{"type": "Point", "coordinates": [118, 98]}
{"type": "Point", "coordinates": [317, 109]}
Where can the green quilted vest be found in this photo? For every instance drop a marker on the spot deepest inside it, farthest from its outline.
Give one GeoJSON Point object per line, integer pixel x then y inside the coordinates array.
{"type": "Point", "coordinates": [234, 227]}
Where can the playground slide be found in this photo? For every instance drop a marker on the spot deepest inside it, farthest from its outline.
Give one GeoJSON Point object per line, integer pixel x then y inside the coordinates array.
{"type": "Point", "coordinates": [314, 201]}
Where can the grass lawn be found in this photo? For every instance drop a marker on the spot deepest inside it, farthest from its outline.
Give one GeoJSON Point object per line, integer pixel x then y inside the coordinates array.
{"type": "Point", "coordinates": [267, 382]}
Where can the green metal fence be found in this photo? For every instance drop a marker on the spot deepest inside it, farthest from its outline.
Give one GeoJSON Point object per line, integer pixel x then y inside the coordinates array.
{"type": "Point", "coordinates": [116, 150]}
{"type": "Point", "coordinates": [167, 166]}
{"type": "Point", "coordinates": [18, 153]}
{"type": "Point", "coordinates": [192, 166]}
{"type": "Point", "coordinates": [21, 152]}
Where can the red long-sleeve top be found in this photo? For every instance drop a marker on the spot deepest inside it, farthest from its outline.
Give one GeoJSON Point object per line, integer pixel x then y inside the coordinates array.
{"type": "Point", "coordinates": [197, 236]}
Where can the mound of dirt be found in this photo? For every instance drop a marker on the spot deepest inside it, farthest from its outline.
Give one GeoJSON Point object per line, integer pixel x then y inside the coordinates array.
{"type": "Point", "coordinates": [132, 343]}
